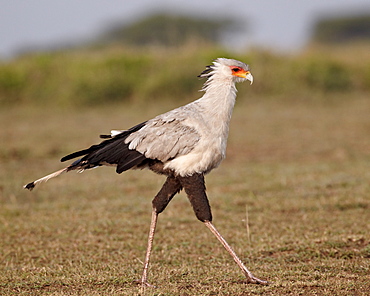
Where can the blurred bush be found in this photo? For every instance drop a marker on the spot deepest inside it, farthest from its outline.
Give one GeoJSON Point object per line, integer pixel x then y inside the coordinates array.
{"type": "Point", "coordinates": [326, 74]}
{"type": "Point", "coordinates": [13, 81]}
{"type": "Point", "coordinates": [342, 29]}
{"type": "Point", "coordinates": [168, 30]}
{"type": "Point", "coordinates": [136, 75]}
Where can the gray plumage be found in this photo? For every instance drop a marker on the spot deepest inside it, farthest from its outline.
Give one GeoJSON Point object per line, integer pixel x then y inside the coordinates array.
{"type": "Point", "coordinates": [187, 140]}
{"type": "Point", "coordinates": [192, 139]}
{"type": "Point", "coordinates": [166, 136]}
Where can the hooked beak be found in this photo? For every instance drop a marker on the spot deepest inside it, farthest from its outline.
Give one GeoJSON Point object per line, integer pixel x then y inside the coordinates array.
{"type": "Point", "coordinates": [246, 75]}
{"type": "Point", "coordinates": [249, 76]}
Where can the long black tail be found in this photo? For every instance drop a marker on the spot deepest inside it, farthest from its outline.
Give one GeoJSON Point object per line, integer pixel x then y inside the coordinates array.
{"type": "Point", "coordinates": [113, 151]}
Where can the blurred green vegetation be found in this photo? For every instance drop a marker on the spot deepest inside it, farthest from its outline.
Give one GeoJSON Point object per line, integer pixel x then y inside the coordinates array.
{"type": "Point", "coordinates": [115, 73]}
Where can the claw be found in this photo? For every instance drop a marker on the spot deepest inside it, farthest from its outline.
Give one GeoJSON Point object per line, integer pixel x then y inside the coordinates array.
{"type": "Point", "coordinates": [144, 284]}
{"type": "Point", "coordinates": [253, 280]}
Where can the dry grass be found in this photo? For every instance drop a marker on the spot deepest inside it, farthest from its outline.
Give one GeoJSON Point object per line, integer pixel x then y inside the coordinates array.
{"type": "Point", "coordinates": [299, 170]}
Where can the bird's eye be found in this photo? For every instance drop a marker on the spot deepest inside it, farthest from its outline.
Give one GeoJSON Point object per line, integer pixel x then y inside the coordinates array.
{"type": "Point", "coordinates": [235, 70]}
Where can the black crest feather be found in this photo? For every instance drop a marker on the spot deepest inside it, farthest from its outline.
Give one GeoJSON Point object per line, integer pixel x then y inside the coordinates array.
{"type": "Point", "coordinates": [206, 72]}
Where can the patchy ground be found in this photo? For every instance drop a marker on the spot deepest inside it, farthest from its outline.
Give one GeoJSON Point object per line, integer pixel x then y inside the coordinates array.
{"type": "Point", "coordinates": [292, 198]}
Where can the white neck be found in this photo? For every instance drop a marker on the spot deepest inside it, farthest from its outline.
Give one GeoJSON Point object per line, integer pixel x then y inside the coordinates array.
{"type": "Point", "coordinates": [218, 102]}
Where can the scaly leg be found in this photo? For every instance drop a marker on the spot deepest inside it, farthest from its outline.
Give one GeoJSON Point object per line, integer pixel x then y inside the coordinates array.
{"type": "Point", "coordinates": [160, 202]}
{"type": "Point", "coordinates": [195, 188]}
{"type": "Point", "coordinates": [153, 224]}
{"type": "Point", "coordinates": [250, 277]}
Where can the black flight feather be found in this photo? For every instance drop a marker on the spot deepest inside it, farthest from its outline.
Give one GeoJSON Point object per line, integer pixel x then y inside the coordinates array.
{"type": "Point", "coordinates": [112, 151]}
{"type": "Point", "coordinates": [96, 147]}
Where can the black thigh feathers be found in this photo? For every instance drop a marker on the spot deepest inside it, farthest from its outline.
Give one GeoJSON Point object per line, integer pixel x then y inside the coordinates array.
{"type": "Point", "coordinates": [113, 151]}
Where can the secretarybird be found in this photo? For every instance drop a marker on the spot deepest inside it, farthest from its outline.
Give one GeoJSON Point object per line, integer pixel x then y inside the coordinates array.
{"type": "Point", "coordinates": [183, 144]}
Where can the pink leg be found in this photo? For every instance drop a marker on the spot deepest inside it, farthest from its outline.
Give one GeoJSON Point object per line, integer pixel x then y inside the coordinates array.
{"type": "Point", "coordinates": [250, 277]}
{"type": "Point", "coordinates": [153, 224]}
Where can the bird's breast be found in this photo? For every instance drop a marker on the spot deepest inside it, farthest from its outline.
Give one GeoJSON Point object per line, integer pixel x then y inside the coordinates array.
{"type": "Point", "coordinates": [206, 156]}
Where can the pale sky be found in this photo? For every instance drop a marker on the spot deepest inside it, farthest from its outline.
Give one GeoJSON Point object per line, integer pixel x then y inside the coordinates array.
{"type": "Point", "coordinates": [276, 24]}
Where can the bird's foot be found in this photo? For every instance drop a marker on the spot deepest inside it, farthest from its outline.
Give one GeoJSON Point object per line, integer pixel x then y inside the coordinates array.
{"type": "Point", "coordinates": [144, 284]}
{"type": "Point", "coordinates": [251, 279]}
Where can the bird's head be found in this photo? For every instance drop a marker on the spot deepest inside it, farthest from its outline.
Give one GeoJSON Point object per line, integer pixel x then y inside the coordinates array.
{"type": "Point", "coordinates": [228, 68]}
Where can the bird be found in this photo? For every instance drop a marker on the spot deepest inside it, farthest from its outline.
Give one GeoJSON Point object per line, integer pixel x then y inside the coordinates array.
{"type": "Point", "coordinates": [183, 144]}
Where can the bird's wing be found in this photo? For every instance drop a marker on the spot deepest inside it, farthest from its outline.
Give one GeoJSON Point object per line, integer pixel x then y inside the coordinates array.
{"type": "Point", "coordinates": [166, 136]}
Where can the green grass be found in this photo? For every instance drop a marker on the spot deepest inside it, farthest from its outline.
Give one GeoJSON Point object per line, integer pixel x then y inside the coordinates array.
{"type": "Point", "coordinates": [292, 198]}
